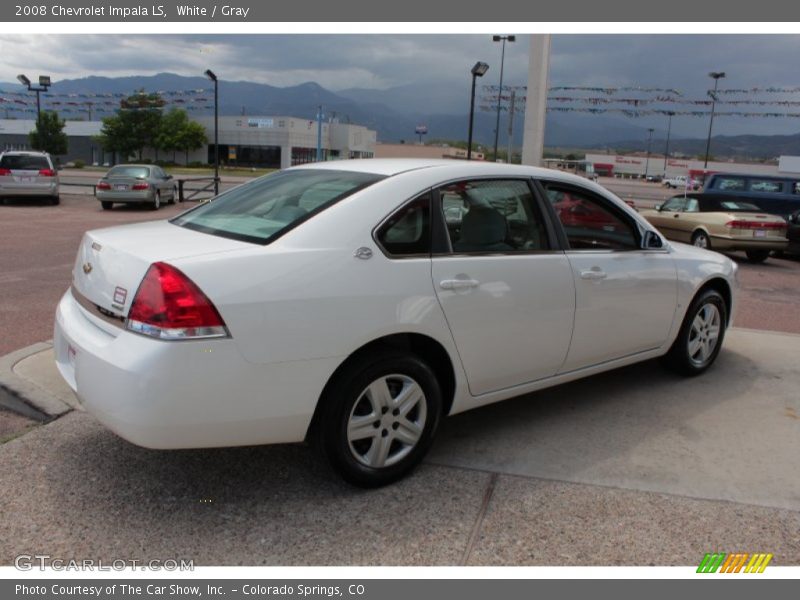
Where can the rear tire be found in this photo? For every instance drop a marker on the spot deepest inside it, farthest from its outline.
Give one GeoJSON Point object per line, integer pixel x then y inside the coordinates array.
{"type": "Point", "coordinates": [757, 256]}
{"type": "Point", "coordinates": [378, 418]}
{"type": "Point", "coordinates": [55, 200]}
{"type": "Point", "coordinates": [701, 335]}
{"type": "Point", "coordinates": [106, 204]}
{"type": "Point", "coordinates": [174, 196]}
{"type": "Point", "coordinates": [156, 201]}
{"type": "Point", "coordinates": [701, 240]}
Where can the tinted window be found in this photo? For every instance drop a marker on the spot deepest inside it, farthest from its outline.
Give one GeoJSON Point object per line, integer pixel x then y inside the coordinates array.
{"type": "Point", "coordinates": [129, 171]}
{"type": "Point", "coordinates": [796, 188]}
{"type": "Point", "coordinates": [692, 205]}
{"type": "Point", "coordinates": [492, 216]}
{"type": "Point", "coordinates": [736, 205]}
{"type": "Point", "coordinates": [729, 183]}
{"type": "Point", "coordinates": [408, 231]}
{"type": "Point", "coordinates": [24, 162]}
{"type": "Point", "coordinates": [590, 222]}
{"type": "Point", "coordinates": [765, 185]}
{"type": "Point", "coordinates": [263, 209]}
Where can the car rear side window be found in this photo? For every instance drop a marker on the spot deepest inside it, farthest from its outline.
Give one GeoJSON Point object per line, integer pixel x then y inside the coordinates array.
{"type": "Point", "coordinates": [765, 185]}
{"type": "Point", "coordinates": [492, 216]}
{"type": "Point", "coordinates": [24, 162]}
{"type": "Point", "coordinates": [264, 209]}
{"type": "Point", "coordinates": [408, 231]}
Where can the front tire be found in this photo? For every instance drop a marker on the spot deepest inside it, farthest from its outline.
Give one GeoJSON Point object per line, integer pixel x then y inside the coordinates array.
{"type": "Point", "coordinates": [701, 240]}
{"type": "Point", "coordinates": [757, 256]}
{"type": "Point", "coordinates": [156, 201]}
{"type": "Point", "coordinates": [700, 338]}
{"type": "Point", "coordinates": [378, 418]}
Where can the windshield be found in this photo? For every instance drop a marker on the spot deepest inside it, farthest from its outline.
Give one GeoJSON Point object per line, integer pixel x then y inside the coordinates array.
{"type": "Point", "coordinates": [129, 171]}
{"type": "Point", "coordinates": [262, 210]}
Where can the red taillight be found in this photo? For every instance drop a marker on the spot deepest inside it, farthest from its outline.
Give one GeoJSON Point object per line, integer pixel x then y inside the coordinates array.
{"type": "Point", "coordinates": [47, 173]}
{"type": "Point", "coordinates": [5, 171]}
{"type": "Point", "coordinates": [169, 306]}
{"type": "Point", "coordinates": [103, 185]}
{"type": "Point", "coordinates": [745, 224]}
{"type": "Point", "coordinates": [140, 186]}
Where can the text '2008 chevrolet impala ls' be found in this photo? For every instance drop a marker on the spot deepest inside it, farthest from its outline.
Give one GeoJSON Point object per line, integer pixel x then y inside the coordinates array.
{"type": "Point", "coordinates": [356, 303]}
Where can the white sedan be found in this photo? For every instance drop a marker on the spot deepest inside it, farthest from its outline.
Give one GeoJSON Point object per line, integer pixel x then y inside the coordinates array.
{"type": "Point", "coordinates": [354, 304]}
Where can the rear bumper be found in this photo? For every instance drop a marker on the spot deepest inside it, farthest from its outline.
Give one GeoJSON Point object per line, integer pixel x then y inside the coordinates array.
{"type": "Point", "coordinates": [11, 190]}
{"type": "Point", "coordinates": [188, 394]}
{"type": "Point", "coordinates": [123, 197]}
{"type": "Point", "coordinates": [719, 242]}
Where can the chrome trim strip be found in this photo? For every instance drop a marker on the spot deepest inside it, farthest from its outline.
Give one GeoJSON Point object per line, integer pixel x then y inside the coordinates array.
{"type": "Point", "coordinates": [98, 311]}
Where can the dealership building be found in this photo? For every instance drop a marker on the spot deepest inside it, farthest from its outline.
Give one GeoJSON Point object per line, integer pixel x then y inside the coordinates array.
{"type": "Point", "coordinates": [270, 141]}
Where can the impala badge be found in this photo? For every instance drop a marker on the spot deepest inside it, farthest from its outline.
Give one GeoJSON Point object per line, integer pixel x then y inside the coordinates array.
{"type": "Point", "coordinates": [87, 268]}
{"type": "Point", "coordinates": [363, 253]}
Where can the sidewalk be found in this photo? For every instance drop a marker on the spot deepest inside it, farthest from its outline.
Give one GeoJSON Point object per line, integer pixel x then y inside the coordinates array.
{"type": "Point", "coordinates": [636, 466]}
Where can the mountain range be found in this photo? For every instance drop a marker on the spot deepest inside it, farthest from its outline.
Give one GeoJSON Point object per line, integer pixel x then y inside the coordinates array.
{"type": "Point", "coordinates": [394, 113]}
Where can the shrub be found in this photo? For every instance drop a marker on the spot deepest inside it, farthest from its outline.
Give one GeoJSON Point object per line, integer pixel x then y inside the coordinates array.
{"type": "Point", "coordinates": [78, 164]}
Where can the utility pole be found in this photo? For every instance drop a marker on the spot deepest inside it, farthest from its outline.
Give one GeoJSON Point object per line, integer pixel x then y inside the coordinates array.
{"type": "Point", "coordinates": [511, 106]}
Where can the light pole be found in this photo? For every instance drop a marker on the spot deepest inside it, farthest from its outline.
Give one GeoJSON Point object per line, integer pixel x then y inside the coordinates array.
{"type": "Point", "coordinates": [210, 74]}
{"type": "Point", "coordinates": [647, 161]}
{"type": "Point", "coordinates": [479, 70]}
{"type": "Point", "coordinates": [716, 76]}
{"type": "Point", "coordinates": [319, 133]}
{"type": "Point", "coordinates": [504, 39]}
{"type": "Point", "coordinates": [670, 114]}
{"type": "Point", "coordinates": [44, 83]}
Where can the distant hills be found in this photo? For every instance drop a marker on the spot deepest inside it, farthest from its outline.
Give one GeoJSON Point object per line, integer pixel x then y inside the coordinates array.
{"type": "Point", "coordinates": [395, 112]}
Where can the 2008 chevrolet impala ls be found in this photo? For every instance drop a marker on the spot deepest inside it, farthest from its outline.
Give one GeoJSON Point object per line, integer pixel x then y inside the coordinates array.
{"type": "Point", "coordinates": [356, 303]}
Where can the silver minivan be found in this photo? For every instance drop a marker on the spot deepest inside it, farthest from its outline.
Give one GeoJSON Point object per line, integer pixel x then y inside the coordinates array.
{"type": "Point", "coordinates": [28, 174]}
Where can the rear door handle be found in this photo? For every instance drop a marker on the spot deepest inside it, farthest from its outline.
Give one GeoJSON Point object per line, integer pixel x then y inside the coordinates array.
{"type": "Point", "coordinates": [458, 284]}
{"type": "Point", "coordinates": [593, 275]}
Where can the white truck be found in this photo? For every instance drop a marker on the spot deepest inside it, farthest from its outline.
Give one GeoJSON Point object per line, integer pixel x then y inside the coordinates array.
{"type": "Point", "coordinates": [681, 182]}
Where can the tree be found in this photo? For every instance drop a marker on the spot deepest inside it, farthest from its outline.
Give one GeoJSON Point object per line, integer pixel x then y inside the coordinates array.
{"type": "Point", "coordinates": [48, 135]}
{"type": "Point", "coordinates": [134, 127]}
{"type": "Point", "coordinates": [177, 132]}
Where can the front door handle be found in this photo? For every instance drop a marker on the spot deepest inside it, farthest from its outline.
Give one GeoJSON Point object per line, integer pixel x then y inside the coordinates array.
{"type": "Point", "coordinates": [593, 274]}
{"type": "Point", "coordinates": [458, 284]}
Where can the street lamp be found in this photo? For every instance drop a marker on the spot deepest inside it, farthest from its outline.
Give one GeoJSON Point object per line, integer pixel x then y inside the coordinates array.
{"type": "Point", "coordinates": [504, 39]}
{"type": "Point", "coordinates": [210, 74]}
{"type": "Point", "coordinates": [716, 76]}
{"type": "Point", "coordinates": [44, 83]}
{"type": "Point", "coordinates": [479, 70]}
{"type": "Point", "coordinates": [647, 161]}
{"type": "Point", "coordinates": [670, 114]}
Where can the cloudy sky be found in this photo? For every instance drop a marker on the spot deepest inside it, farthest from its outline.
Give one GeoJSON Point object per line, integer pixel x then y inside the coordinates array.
{"type": "Point", "coordinates": [384, 61]}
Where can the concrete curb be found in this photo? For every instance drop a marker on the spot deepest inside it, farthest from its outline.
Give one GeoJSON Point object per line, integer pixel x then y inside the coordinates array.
{"type": "Point", "coordinates": [20, 392]}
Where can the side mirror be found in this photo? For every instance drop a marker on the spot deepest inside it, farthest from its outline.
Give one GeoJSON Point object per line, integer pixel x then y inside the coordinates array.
{"type": "Point", "coordinates": [652, 240]}
{"type": "Point", "coordinates": [168, 176]}
{"type": "Point", "coordinates": [657, 207]}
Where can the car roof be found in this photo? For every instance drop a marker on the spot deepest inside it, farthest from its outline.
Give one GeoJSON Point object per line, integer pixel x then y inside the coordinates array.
{"type": "Point", "coordinates": [132, 165]}
{"type": "Point", "coordinates": [395, 166]}
{"type": "Point", "coordinates": [25, 153]}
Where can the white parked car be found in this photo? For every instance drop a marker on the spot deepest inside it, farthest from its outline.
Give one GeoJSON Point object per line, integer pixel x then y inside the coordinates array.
{"type": "Point", "coordinates": [335, 302]}
{"type": "Point", "coordinates": [28, 174]}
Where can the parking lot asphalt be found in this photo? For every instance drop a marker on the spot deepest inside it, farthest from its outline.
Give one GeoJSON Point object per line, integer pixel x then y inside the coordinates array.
{"type": "Point", "coordinates": [631, 467]}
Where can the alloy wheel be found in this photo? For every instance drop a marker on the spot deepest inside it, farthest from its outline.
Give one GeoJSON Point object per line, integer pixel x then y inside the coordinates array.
{"type": "Point", "coordinates": [704, 334]}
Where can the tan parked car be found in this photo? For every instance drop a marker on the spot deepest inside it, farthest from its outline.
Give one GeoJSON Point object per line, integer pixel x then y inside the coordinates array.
{"type": "Point", "coordinates": [719, 223]}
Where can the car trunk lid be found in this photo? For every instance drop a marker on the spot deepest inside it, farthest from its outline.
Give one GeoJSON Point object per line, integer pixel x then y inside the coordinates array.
{"type": "Point", "coordinates": [111, 263]}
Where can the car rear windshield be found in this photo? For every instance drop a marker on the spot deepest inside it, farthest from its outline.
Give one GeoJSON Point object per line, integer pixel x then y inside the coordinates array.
{"type": "Point", "coordinates": [128, 171]}
{"type": "Point", "coordinates": [719, 205]}
{"type": "Point", "coordinates": [24, 162]}
{"type": "Point", "coordinates": [264, 209]}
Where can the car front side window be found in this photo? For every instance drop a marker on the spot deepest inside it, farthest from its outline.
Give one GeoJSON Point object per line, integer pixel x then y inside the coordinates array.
{"type": "Point", "coordinates": [590, 222]}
